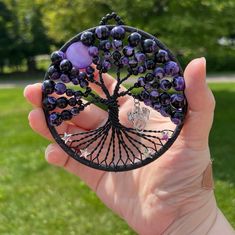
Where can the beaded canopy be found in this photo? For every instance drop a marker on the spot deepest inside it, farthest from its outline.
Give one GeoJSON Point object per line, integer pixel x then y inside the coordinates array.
{"type": "Point", "coordinates": [146, 106]}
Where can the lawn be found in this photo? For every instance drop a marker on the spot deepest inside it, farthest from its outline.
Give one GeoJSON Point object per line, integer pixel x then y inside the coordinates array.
{"type": "Point", "coordinates": [39, 199]}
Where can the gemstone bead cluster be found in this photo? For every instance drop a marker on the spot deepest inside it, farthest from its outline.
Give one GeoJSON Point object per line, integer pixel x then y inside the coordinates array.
{"type": "Point", "coordinates": [159, 81]}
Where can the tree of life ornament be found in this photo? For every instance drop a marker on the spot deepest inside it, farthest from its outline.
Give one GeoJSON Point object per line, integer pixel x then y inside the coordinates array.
{"type": "Point", "coordinates": [137, 130]}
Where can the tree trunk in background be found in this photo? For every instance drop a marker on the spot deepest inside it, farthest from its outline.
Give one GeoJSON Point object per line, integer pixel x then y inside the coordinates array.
{"type": "Point", "coordinates": [31, 64]}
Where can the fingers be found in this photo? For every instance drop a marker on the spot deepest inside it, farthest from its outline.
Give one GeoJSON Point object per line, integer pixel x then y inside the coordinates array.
{"type": "Point", "coordinates": [201, 105]}
{"type": "Point", "coordinates": [38, 123]}
{"type": "Point", "coordinates": [56, 156]}
{"type": "Point", "coordinates": [90, 118]}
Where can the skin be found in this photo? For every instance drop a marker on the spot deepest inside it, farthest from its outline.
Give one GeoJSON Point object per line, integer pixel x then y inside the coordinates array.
{"type": "Point", "coordinates": [151, 198]}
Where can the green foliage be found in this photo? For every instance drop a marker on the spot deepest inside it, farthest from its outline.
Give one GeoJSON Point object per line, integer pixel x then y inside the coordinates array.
{"type": "Point", "coordinates": [191, 28]}
{"type": "Point", "coordinates": [39, 199]}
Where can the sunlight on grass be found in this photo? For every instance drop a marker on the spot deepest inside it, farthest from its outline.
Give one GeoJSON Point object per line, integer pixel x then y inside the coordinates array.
{"type": "Point", "coordinates": [36, 198]}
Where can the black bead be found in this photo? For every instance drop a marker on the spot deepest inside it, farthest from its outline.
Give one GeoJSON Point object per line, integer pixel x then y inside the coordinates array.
{"type": "Point", "coordinates": [62, 102]}
{"type": "Point", "coordinates": [134, 39]}
{"type": "Point", "coordinates": [88, 90]}
{"type": "Point", "coordinates": [155, 85]}
{"type": "Point", "coordinates": [79, 102]}
{"type": "Point", "coordinates": [74, 72]}
{"type": "Point", "coordinates": [78, 94]}
{"type": "Point", "coordinates": [48, 87]}
{"type": "Point", "coordinates": [66, 115]}
{"type": "Point", "coordinates": [81, 107]}
{"type": "Point", "coordinates": [135, 72]}
{"type": "Point", "coordinates": [95, 60]}
{"type": "Point", "coordinates": [90, 77]}
{"type": "Point", "coordinates": [90, 70]}
{"type": "Point", "coordinates": [150, 64]}
{"type": "Point", "coordinates": [69, 92]}
{"type": "Point", "coordinates": [65, 66]}
{"type": "Point", "coordinates": [87, 38]}
{"type": "Point", "coordinates": [82, 75]}
{"type": "Point", "coordinates": [133, 63]}
{"type": "Point", "coordinates": [162, 56]}
{"type": "Point", "coordinates": [148, 77]}
{"type": "Point", "coordinates": [116, 55]}
{"type": "Point", "coordinates": [145, 95]}
{"type": "Point", "coordinates": [105, 45]}
{"type": "Point", "coordinates": [52, 69]}
{"type": "Point", "coordinates": [165, 98]}
{"type": "Point", "coordinates": [118, 32]}
{"type": "Point", "coordinates": [72, 101]}
{"type": "Point", "coordinates": [49, 103]}
{"type": "Point", "coordinates": [149, 45]}
{"type": "Point", "coordinates": [57, 57]}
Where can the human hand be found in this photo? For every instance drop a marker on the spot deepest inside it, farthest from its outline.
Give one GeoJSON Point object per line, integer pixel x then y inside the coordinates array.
{"type": "Point", "coordinates": [156, 196]}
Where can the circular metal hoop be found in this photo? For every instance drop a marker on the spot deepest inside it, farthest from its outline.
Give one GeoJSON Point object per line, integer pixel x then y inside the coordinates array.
{"type": "Point", "coordinates": [117, 167]}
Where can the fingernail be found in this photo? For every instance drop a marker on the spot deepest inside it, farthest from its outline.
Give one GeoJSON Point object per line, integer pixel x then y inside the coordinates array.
{"type": "Point", "coordinates": [203, 59]}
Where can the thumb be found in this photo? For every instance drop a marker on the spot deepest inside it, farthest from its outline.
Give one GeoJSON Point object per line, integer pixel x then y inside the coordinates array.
{"type": "Point", "coordinates": [201, 106]}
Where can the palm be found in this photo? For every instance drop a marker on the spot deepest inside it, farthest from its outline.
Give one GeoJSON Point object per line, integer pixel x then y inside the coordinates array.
{"type": "Point", "coordinates": [148, 198]}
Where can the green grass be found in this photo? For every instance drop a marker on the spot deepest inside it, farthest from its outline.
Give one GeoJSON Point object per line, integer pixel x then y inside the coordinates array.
{"type": "Point", "coordinates": [39, 199]}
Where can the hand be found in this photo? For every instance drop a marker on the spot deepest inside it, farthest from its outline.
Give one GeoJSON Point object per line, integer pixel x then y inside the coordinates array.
{"type": "Point", "coordinates": [153, 197]}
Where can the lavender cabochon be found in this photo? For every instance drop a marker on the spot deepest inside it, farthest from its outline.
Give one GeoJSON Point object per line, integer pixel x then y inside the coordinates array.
{"type": "Point", "coordinates": [78, 55]}
{"type": "Point", "coordinates": [133, 133]}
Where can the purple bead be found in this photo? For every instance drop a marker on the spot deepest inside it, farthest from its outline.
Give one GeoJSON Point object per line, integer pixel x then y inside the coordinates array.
{"type": "Point", "coordinates": [118, 32]}
{"type": "Point", "coordinates": [159, 73]}
{"type": "Point", "coordinates": [75, 81]}
{"type": "Point", "coordinates": [161, 56]}
{"type": "Point", "coordinates": [140, 56]}
{"type": "Point", "coordinates": [154, 93]}
{"type": "Point", "coordinates": [165, 111]}
{"type": "Point", "coordinates": [128, 51]}
{"type": "Point", "coordinates": [177, 118]}
{"type": "Point", "coordinates": [177, 101]}
{"type": "Point", "coordinates": [107, 55]}
{"type": "Point", "coordinates": [147, 86]}
{"type": "Point", "coordinates": [75, 111]}
{"type": "Point", "coordinates": [102, 32]}
{"type": "Point", "coordinates": [125, 60]}
{"type": "Point", "coordinates": [171, 68]}
{"type": "Point", "coordinates": [64, 78]}
{"type": "Point", "coordinates": [84, 83]}
{"type": "Point", "coordinates": [141, 81]}
{"type": "Point", "coordinates": [147, 102]}
{"type": "Point", "coordinates": [141, 69]}
{"type": "Point", "coordinates": [78, 54]}
{"type": "Point", "coordinates": [55, 76]}
{"type": "Point", "coordinates": [117, 44]}
{"type": "Point", "coordinates": [93, 51]}
{"type": "Point", "coordinates": [55, 119]}
{"type": "Point", "coordinates": [60, 88]}
{"type": "Point", "coordinates": [106, 64]}
{"type": "Point", "coordinates": [133, 63]}
{"type": "Point", "coordinates": [145, 95]}
{"type": "Point", "coordinates": [165, 84]}
{"type": "Point", "coordinates": [157, 105]}
{"type": "Point", "coordinates": [178, 83]}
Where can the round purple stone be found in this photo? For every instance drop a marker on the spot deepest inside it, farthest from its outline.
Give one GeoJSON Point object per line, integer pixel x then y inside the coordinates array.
{"type": "Point", "coordinates": [178, 83]}
{"type": "Point", "coordinates": [55, 119]}
{"type": "Point", "coordinates": [125, 60]}
{"type": "Point", "coordinates": [78, 54]}
{"type": "Point", "coordinates": [141, 69]}
{"type": "Point", "coordinates": [161, 56]}
{"type": "Point", "coordinates": [60, 88]}
{"type": "Point", "coordinates": [154, 93]}
{"type": "Point", "coordinates": [171, 68]}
